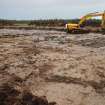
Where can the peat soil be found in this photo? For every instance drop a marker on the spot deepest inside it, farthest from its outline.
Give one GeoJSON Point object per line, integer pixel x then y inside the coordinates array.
{"type": "Point", "coordinates": [68, 69]}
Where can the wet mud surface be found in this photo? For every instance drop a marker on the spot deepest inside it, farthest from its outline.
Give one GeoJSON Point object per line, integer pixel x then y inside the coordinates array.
{"type": "Point", "coordinates": [68, 69]}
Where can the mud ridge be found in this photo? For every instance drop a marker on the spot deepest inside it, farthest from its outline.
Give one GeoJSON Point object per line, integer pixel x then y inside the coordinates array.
{"type": "Point", "coordinates": [98, 86]}
{"type": "Point", "coordinates": [95, 42]}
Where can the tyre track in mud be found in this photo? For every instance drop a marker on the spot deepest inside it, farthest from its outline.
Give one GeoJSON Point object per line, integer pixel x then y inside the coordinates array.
{"type": "Point", "coordinates": [98, 86]}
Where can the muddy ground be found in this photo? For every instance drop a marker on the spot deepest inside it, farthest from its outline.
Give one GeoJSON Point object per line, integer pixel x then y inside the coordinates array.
{"type": "Point", "coordinates": [68, 69]}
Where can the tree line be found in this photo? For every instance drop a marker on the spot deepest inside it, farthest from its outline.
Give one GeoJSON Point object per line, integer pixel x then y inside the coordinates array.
{"type": "Point", "coordinates": [49, 22]}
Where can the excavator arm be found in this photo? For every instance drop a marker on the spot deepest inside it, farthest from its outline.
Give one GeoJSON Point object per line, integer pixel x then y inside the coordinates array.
{"type": "Point", "coordinates": [89, 16]}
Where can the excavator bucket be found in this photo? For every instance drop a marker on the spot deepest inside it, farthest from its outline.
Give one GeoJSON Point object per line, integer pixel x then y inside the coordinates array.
{"type": "Point", "coordinates": [103, 21]}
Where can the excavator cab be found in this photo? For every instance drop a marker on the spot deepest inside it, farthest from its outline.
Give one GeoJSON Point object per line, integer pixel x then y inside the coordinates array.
{"type": "Point", "coordinates": [70, 27]}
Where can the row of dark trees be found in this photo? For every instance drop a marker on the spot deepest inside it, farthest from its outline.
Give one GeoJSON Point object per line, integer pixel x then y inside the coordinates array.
{"type": "Point", "coordinates": [13, 22]}
{"type": "Point", "coordinates": [52, 22]}
{"type": "Point", "coordinates": [49, 22]}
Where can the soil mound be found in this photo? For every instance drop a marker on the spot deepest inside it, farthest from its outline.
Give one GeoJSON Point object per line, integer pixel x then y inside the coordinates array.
{"type": "Point", "coordinates": [10, 96]}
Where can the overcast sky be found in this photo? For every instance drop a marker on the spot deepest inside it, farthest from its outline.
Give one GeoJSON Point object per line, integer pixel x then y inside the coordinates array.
{"type": "Point", "coordinates": [48, 9]}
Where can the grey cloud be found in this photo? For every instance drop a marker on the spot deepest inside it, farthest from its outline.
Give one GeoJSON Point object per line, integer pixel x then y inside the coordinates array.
{"type": "Point", "coordinates": [49, 8]}
{"type": "Point", "coordinates": [47, 3]}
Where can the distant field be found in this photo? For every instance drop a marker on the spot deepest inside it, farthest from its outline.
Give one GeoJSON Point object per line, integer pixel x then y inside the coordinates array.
{"type": "Point", "coordinates": [50, 24]}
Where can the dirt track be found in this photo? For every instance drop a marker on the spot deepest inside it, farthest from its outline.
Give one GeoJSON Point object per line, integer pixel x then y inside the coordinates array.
{"type": "Point", "coordinates": [68, 69]}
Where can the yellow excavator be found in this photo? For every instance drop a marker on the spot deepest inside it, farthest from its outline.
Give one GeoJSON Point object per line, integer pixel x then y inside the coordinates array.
{"type": "Point", "coordinates": [72, 28]}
